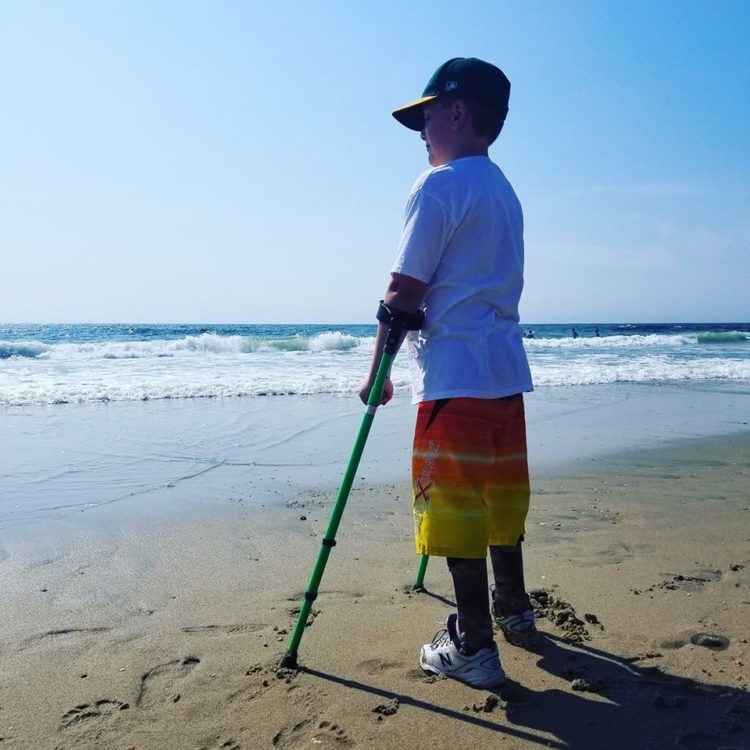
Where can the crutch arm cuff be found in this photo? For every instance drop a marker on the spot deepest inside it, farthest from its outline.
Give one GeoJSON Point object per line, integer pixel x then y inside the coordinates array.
{"type": "Point", "coordinates": [406, 321]}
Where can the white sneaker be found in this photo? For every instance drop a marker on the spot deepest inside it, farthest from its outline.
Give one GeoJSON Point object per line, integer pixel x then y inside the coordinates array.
{"type": "Point", "coordinates": [442, 656]}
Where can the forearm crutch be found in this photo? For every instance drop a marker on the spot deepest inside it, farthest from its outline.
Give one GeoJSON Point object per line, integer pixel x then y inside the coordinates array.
{"type": "Point", "coordinates": [397, 323]}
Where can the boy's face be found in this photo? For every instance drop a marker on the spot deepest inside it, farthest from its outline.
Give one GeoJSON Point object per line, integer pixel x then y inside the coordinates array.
{"type": "Point", "coordinates": [438, 133]}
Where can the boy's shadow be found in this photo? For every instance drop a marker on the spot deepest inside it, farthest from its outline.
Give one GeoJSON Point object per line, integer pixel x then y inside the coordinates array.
{"type": "Point", "coordinates": [609, 704]}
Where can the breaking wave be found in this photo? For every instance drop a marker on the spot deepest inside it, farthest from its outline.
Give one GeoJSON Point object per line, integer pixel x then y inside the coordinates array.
{"type": "Point", "coordinates": [205, 343]}
{"type": "Point", "coordinates": [86, 363]}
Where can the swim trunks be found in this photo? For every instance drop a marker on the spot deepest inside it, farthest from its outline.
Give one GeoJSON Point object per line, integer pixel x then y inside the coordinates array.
{"type": "Point", "coordinates": [470, 475]}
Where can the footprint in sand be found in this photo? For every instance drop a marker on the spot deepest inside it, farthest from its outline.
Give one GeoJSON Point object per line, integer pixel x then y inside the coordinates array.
{"type": "Point", "coordinates": [375, 666]}
{"type": "Point", "coordinates": [88, 724]}
{"type": "Point", "coordinates": [387, 709]}
{"type": "Point", "coordinates": [263, 678]}
{"type": "Point", "coordinates": [312, 732]}
{"type": "Point", "coordinates": [70, 631]}
{"type": "Point", "coordinates": [217, 744]}
{"type": "Point", "coordinates": [86, 713]}
{"type": "Point", "coordinates": [711, 641]}
{"type": "Point", "coordinates": [158, 685]}
{"type": "Point", "coordinates": [242, 627]}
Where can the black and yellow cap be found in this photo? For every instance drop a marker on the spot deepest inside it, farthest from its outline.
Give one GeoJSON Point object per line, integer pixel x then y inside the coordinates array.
{"type": "Point", "coordinates": [466, 77]}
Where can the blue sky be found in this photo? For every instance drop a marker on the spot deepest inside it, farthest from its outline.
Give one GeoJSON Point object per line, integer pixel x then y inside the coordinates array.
{"type": "Point", "coordinates": [237, 161]}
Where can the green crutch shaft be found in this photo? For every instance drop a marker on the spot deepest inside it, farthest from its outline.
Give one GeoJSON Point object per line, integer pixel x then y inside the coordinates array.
{"type": "Point", "coordinates": [419, 583]}
{"type": "Point", "coordinates": [376, 393]}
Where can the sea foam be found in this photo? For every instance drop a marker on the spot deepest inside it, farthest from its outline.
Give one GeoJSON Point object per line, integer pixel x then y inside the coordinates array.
{"type": "Point", "coordinates": [78, 364]}
{"type": "Point", "coordinates": [203, 344]}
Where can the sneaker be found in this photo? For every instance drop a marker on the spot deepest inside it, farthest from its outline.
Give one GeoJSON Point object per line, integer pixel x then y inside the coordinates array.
{"type": "Point", "coordinates": [442, 656]}
{"type": "Point", "coordinates": [519, 630]}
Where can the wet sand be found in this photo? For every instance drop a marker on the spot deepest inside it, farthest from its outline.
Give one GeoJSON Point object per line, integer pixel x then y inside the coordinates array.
{"type": "Point", "coordinates": [150, 629]}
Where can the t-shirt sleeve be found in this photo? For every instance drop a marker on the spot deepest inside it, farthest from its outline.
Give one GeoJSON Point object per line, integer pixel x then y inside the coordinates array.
{"type": "Point", "coordinates": [427, 229]}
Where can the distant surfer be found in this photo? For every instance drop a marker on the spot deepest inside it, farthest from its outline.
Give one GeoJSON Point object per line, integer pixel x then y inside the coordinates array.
{"type": "Point", "coordinates": [529, 335]}
{"type": "Point", "coordinates": [596, 333]}
{"type": "Point", "coordinates": [575, 333]}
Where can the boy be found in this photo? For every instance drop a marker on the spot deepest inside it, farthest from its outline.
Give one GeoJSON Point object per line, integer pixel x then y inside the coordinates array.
{"type": "Point", "coordinates": [461, 260]}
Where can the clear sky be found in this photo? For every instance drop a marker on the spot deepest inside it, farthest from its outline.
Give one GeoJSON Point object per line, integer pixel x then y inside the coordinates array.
{"type": "Point", "coordinates": [237, 161]}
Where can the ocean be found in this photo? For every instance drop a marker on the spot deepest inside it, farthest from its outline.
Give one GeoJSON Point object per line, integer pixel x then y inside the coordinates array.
{"type": "Point", "coordinates": [68, 364]}
{"type": "Point", "coordinates": [149, 419]}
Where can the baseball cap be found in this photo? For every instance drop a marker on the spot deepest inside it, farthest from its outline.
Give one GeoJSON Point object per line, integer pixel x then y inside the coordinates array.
{"type": "Point", "coordinates": [467, 77]}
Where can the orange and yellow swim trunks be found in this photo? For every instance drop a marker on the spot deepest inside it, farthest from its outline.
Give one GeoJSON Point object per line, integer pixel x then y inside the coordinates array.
{"type": "Point", "coordinates": [470, 475]}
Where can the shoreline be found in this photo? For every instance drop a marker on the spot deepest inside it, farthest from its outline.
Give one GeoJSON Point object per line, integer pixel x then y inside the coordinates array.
{"type": "Point", "coordinates": [61, 461]}
{"type": "Point", "coordinates": [154, 630]}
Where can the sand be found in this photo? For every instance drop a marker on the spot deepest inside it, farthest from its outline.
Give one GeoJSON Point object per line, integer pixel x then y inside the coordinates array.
{"type": "Point", "coordinates": [149, 629]}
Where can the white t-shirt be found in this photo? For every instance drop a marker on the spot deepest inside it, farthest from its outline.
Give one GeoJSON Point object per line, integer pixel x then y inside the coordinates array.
{"type": "Point", "coordinates": [463, 236]}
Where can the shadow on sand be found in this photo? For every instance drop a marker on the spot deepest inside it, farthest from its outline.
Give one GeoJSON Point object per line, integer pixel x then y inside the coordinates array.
{"type": "Point", "coordinates": [610, 705]}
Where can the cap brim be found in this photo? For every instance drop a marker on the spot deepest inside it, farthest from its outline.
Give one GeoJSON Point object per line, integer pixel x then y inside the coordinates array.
{"type": "Point", "coordinates": [411, 115]}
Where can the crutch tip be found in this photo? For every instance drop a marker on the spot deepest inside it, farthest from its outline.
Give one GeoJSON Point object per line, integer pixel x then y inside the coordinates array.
{"type": "Point", "coordinates": [289, 661]}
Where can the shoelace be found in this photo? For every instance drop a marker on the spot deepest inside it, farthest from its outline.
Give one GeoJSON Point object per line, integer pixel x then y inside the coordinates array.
{"type": "Point", "coordinates": [440, 638]}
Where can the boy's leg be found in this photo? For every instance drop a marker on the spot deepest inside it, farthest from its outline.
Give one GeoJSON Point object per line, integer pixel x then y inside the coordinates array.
{"type": "Point", "coordinates": [474, 620]}
{"type": "Point", "coordinates": [509, 596]}
{"type": "Point", "coordinates": [465, 650]}
{"type": "Point", "coordinates": [509, 503]}
{"type": "Point", "coordinates": [511, 607]}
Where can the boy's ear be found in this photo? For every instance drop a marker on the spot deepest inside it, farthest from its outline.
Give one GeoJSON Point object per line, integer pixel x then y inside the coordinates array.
{"type": "Point", "coordinates": [459, 113]}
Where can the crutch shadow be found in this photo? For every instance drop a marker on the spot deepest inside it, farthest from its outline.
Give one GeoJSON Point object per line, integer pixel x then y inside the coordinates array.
{"type": "Point", "coordinates": [438, 597]}
{"type": "Point", "coordinates": [409, 700]}
{"type": "Point", "coordinates": [607, 702]}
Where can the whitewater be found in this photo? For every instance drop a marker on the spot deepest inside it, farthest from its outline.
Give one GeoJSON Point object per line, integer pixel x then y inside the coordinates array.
{"type": "Point", "coordinates": [59, 364]}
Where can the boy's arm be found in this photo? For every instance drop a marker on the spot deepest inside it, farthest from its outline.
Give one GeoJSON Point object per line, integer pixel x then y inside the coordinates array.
{"type": "Point", "coordinates": [405, 294]}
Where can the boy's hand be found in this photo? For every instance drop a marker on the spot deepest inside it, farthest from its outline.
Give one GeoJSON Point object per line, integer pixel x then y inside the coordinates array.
{"type": "Point", "coordinates": [404, 293]}
{"type": "Point", "coordinates": [364, 391]}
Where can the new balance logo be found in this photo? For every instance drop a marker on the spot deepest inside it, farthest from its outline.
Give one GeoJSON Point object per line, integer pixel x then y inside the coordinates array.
{"type": "Point", "coordinates": [445, 659]}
